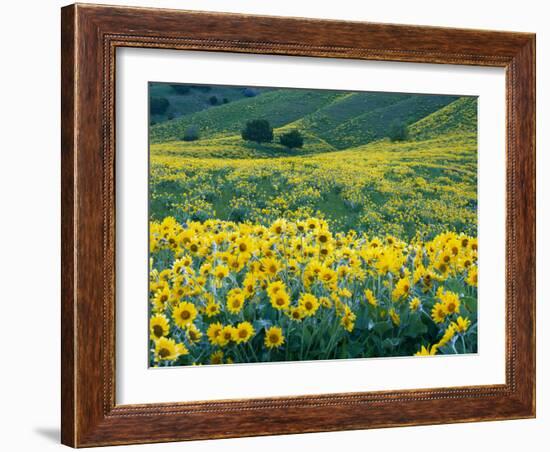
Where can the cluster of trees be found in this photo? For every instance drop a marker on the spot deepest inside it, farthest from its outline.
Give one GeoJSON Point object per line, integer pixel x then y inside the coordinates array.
{"type": "Point", "coordinates": [260, 131]}
{"type": "Point", "coordinates": [256, 130]}
{"type": "Point", "coordinates": [214, 100]}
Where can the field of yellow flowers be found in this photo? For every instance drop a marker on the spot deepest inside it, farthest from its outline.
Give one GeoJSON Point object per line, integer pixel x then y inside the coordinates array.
{"type": "Point", "coordinates": [367, 252]}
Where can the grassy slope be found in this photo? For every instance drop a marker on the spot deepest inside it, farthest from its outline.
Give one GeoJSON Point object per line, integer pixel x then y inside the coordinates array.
{"type": "Point", "coordinates": [404, 186]}
{"type": "Point", "coordinates": [345, 107]}
{"type": "Point", "coordinates": [381, 186]}
{"type": "Point", "coordinates": [235, 147]}
{"type": "Point", "coordinates": [196, 100]}
{"type": "Point", "coordinates": [338, 119]}
{"type": "Point", "coordinates": [375, 124]}
{"type": "Point", "coordinates": [280, 107]}
{"type": "Point", "coordinates": [323, 129]}
{"type": "Point", "coordinates": [459, 117]}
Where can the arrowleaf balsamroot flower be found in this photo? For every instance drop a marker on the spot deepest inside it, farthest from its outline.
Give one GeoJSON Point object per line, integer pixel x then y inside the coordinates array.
{"type": "Point", "coordinates": [274, 337]}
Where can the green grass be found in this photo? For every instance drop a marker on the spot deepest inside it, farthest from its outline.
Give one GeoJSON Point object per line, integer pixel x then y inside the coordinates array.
{"type": "Point", "coordinates": [340, 119]}
{"type": "Point", "coordinates": [196, 100]}
{"type": "Point", "coordinates": [235, 147]}
{"type": "Point", "coordinates": [279, 107]}
{"type": "Point", "coordinates": [374, 125]}
{"type": "Point", "coordinates": [344, 108]}
{"type": "Point", "coordinates": [456, 118]}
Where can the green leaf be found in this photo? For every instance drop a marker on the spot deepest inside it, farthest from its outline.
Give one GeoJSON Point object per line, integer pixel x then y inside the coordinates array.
{"type": "Point", "coordinates": [391, 343]}
{"type": "Point", "coordinates": [415, 327]}
{"type": "Point", "coordinates": [307, 337]}
{"type": "Point", "coordinates": [382, 327]}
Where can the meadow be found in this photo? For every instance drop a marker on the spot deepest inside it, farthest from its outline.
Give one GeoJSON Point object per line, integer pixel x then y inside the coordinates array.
{"type": "Point", "coordinates": [356, 244]}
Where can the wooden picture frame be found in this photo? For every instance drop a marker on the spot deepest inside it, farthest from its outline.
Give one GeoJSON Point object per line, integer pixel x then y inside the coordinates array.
{"type": "Point", "coordinates": [90, 36]}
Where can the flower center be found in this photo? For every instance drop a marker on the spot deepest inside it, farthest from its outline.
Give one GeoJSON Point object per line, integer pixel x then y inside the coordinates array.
{"type": "Point", "coordinates": [158, 330]}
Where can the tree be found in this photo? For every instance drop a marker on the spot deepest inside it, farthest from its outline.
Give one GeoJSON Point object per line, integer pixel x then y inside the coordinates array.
{"type": "Point", "coordinates": [213, 100]}
{"type": "Point", "coordinates": [258, 130]}
{"type": "Point", "coordinates": [159, 105]}
{"type": "Point", "coordinates": [249, 92]}
{"type": "Point", "coordinates": [191, 133]}
{"type": "Point", "coordinates": [398, 132]}
{"type": "Point", "coordinates": [292, 139]}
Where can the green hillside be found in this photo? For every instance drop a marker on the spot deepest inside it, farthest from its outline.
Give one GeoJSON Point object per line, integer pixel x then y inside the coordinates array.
{"type": "Point", "coordinates": [457, 117]}
{"type": "Point", "coordinates": [328, 120]}
{"type": "Point", "coordinates": [347, 106]}
{"type": "Point", "coordinates": [375, 124]}
{"type": "Point", "coordinates": [279, 107]}
{"type": "Point", "coordinates": [235, 147]}
{"type": "Point", "coordinates": [341, 119]}
{"type": "Point", "coordinates": [185, 99]}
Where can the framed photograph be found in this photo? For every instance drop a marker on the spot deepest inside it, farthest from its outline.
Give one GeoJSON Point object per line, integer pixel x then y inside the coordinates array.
{"type": "Point", "coordinates": [281, 225]}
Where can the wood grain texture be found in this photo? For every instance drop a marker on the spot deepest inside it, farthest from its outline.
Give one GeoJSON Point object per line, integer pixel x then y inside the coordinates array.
{"type": "Point", "coordinates": [90, 36]}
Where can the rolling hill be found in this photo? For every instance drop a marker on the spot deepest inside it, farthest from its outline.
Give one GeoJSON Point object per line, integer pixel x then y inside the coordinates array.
{"type": "Point", "coordinates": [374, 125]}
{"type": "Point", "coordinates": [457, 117]}
{"type": "Point", "coordinates": [185, 99]}
{"type": "Point", "coordinates": [279, 107]}
{"type": "Point", "coordinates": [328, 119]}
{"type": "Point", "coordinates": [346, 107]}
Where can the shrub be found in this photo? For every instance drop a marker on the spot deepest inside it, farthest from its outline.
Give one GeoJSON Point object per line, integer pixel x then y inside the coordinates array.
{"type": "Point", "coordinates": [213, 100]}
{"type": "Point", "coordinates": [292, 139]}
{"type": "Point", "coordinates": [258, 130]}
{"type": "Point", "coordinates": [249, 92]}
{"type": "Point", "coordinates": [181, 89]}
{"type": "Point", "coordinates": [225, 100]}
{"type": "Point", "coordinates": [158, 105]}
{"type": "Point", "coordinates": [191, 133]}
{"type": "Point", "coordinates": [398, 132]}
